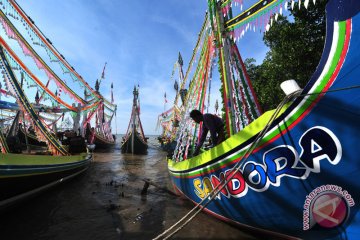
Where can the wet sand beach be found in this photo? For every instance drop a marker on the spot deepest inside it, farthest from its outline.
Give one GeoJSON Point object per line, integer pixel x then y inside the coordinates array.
{"type": "Point", "coordinates": [106, 203]}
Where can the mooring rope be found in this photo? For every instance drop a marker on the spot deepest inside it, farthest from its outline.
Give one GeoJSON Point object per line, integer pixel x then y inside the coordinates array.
{"type": "Point", "coordinates": [224, 181]}
{"type": "Point", "coordinates": [237, 166]}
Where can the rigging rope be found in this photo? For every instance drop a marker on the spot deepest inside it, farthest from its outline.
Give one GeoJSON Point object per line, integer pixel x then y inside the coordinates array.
{"type": "Point", "coordinates": [188, 217]}
{"type": "Point", "coordinates": [46, 43]}
{"type": "Point", "coordinates": [13, 33]}
{"type": "Point", "coordinates": [14, 59]}
{"type": "Point", "coordinates": [224, 181]}
{"type": "Point", "coordinates": [23, 102]}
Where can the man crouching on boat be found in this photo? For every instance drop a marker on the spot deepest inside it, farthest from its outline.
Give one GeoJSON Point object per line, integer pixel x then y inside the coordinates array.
{"type": "Point", "coordinates": [211, 123]}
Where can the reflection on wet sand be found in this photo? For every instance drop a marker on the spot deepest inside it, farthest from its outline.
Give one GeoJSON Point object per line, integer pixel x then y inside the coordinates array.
{"type": "Point", "coordinates": [106, 203]}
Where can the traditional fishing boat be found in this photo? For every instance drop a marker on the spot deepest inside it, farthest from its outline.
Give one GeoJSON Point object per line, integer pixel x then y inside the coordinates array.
{"type": "Point", "coordinates": [102, 136]}
{"type": "Point", "coordinates": [28, 137]}
{"type": "Point", "coordinates": [94, 105]}
{"type": "Point", "coordinates": [291, 172]}
{"type": "Point", "coordinates": [134, 140]}
{"type": "Point", "coordinates": [134, 143]}
{"type": "Point", "coordinates": [100, 141]}
{"type": "Point", "coordinates": [169, 119]}
{"type": "Point", "coordinates": [24, 175]}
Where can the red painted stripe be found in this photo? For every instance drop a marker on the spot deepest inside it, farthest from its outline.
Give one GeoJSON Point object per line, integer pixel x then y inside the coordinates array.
{"type": "Point", "coordinates": [307, 111]}
{"type": "Point", "coordinates": [327, 86]}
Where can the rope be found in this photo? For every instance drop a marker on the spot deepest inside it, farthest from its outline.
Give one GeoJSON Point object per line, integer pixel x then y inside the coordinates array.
{"type": "Point", "coordinates": [237, 166]}
{"type": "Point", "coordinates": [223, 183]}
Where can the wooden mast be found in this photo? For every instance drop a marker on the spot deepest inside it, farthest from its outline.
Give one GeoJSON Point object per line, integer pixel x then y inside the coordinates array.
{"type": "Point", "coordinates": [133, 117]}
{"type": "Point", "coordinates": [223, 46]}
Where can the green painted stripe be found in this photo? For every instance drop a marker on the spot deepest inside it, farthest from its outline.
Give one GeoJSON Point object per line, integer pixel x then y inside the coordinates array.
{"type": "Point", "coordinates": [250, 131]}
{"type": "Point", "coordinates": [38, 170]}
{"type": "Point", "coordinates": [24, 159]}
{"type": "Point", "coordinates": [319, 88]}
{"type": "Point", "coordinates": [230, 143]}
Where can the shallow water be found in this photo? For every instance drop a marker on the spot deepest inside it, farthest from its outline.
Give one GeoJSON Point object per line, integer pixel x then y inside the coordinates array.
{"type": "Point", "coordinates": [106, 203]}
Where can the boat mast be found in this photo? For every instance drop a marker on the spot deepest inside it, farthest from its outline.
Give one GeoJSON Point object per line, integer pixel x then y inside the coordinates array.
{"type": "Point", "coordinates": [23, 118]}
{"type": "Point", "coordinates": [134, 113]}
{"type": "Point", "coordinates": [223, 46]}
{"type": "Point", "coordinates": [182, 91]}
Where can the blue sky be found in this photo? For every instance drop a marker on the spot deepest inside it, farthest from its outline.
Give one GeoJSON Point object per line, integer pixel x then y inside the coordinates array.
{"type": "Point", "coordinates": [139, 40]}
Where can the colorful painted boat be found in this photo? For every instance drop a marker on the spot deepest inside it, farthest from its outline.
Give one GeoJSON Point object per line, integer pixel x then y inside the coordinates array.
{"type": "Point", "coordinates": [92, 105]}
{"type": "Point", "coordinates": [134, 144]}
{"type": "Point", "coordinates": [169, 119]}
{"type": "Point", "coordinates": [299, 178]}
{"type": "Point", "coordinates": [22, 176]}
{"type": "Point", "coordinates": [103, 143]}
{"type": "Point", "coordinates": [134, 140]}
{"type": "Point", "coordinates": [100, 142]}
{"type": "Point", "coordinates": [31, 139]}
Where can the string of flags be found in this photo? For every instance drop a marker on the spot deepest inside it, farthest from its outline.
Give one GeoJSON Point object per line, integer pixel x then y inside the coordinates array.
{"type": "Point", "coordinates": [262, 18]}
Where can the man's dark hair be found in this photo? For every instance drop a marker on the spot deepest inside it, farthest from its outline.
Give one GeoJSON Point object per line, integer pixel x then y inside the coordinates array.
{"type": "Point", "coordinates": [195, 113]}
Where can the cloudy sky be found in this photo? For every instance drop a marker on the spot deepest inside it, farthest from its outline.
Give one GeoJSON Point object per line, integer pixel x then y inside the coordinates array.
{"type": "Point", "coordinates": [139, 40]}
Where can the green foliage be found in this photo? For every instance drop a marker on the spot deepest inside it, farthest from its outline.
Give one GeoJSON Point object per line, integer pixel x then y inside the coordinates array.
{"type": "Point", "coordinates": [295, 51]}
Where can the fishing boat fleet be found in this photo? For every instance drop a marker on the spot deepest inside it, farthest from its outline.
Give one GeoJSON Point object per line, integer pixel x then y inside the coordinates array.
{"type": "Point", "coordinates": [287, 172]}
{"type": "Point", "coordinates": [47, 131]}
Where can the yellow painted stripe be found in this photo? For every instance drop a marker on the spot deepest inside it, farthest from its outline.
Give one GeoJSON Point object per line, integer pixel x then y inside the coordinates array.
{"type": "Point", "coordinates": [248, 132]}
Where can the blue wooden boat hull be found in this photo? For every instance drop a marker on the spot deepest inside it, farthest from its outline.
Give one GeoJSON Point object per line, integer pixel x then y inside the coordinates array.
{"type": "Point", "coordinates": [302, 178]}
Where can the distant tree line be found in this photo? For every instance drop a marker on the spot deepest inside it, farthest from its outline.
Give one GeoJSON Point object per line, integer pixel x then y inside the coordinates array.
{"type": "Point", "coordinates": [295, 51]}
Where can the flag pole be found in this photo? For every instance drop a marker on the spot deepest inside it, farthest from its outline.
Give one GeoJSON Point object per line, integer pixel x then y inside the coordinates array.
{"type": "Point", "coordinates": [103, 73]}
{"type": "Point", "coordinates": [165, 101]}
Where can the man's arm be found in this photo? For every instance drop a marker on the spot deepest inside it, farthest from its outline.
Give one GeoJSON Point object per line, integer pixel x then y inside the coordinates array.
{"type": "Point", "coordinates": [202, 138]}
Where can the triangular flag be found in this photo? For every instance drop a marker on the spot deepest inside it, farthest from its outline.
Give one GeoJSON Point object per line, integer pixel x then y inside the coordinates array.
{"type": "Point", "coordinates": [306, 3]}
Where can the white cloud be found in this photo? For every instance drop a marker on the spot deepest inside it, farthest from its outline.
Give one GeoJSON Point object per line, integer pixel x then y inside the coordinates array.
{"type": "Point", "coordinates": [139, 40]}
